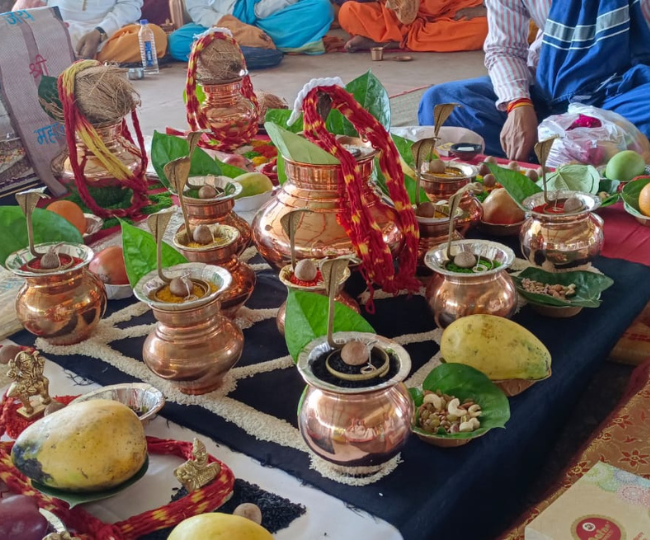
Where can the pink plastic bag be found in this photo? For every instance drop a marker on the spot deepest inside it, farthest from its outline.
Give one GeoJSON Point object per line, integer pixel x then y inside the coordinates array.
{"type": "Point", "coordinates": [591, 136]}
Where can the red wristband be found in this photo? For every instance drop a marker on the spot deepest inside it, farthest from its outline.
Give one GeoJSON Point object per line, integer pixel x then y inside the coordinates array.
{"type": "Point", "coordinates": [522, 102]}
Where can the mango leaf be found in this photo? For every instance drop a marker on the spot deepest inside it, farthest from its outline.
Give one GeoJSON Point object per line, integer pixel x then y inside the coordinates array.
{"type": "Point", "coordinates": [371, 95]}
{"type": "Point", "coordinates": [630, 193]}
{"type": "Point", "coordinates": [518, 185]}
{"type": "Point", "coordinates": [589, 286]}
{"type": "Point", "coordinates": [465, 382]}
{"type": "Point", "coordinates": [306, 319]}
{"type": "Point", "coordinates": [281, 117]}
{"type": "Point", "coordinates": [404, 148]}
{"type": "Point", "coordinates": [297, 148]}
{"type": "Point", "coordinates": [166, 148]}
{"type": "Point", "coordinates": [282, 175]}
{"type": "Point", "coordinates": [139, 248]}
{"type": "Point", "coordinates": [583, 178]}
{"type": "Point", "coordinates": [48, 227]}
{"type": "Point", "coordinates": [229, 170]}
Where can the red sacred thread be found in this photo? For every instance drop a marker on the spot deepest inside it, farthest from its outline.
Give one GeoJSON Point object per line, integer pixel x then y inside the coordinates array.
{"type": "Point", "coordinates": [196, 117]}
{"type": "Point", "coordinates": [364, 231]}
{"type": "Point", "coordinates": [76, 122]}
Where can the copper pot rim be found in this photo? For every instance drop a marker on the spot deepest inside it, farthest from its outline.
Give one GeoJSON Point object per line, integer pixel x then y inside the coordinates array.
{"type": "Point", "coordinates": [343, 139]}
{"type": "Point", "coordinates": [501, 229]}
{"type": "Point", "coordinates": [591, 202]}
{"type": "Point", "coordinates": [18, 258]}
{"type": "Point", "coordinates": [439, 221]}
{"type": "Point", "coordinates": [207, 83]}
{"type": "Point", "coordinates": [483, 248]}
{"type": "Point", "coordinates": [468, 171]}
{"type": "Point", "coordinates": [151, 282]}
{"type": "Point", "coordinates": [220, 182]}
{"type": "Point", "coordinates": [229, 231]}
{"type": "Point", "coordinates": [319, 346]}
{"type": "Point", "coordinates": [285, 273]}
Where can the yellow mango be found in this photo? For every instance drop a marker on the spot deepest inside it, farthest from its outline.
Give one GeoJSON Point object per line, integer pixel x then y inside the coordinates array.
{"type": "Point", "coordinates": [218, 526]}
{"type": "Point", "coordinates": [89, 446]}
{"type": "Point", "coordinates": [498, 347]}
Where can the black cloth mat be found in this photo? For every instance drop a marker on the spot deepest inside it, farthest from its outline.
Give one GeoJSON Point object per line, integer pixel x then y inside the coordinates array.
{"type": "Point", "coordinates": [467, 493]}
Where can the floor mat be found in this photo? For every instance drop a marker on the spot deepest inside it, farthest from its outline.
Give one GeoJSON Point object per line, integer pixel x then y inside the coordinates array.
{"type": "Point", "coordinates": [404, 107]}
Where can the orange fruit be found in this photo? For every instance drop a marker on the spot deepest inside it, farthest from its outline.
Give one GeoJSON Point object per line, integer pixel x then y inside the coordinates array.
{"type": "Point", "coordinates": [644, 200]}
{"type": "Point", "coordinates": [70, 211]}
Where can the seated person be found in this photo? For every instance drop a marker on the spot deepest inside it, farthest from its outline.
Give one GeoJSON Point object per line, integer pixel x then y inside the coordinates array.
{"type": "Point", "coordinates": [271, 27]}
{"type": "Point", "coordinates": [102, 29]}
{"type": "Point", "coordinates": [416, 25]}
{"type": "Point", "coordinates": [595, 52]}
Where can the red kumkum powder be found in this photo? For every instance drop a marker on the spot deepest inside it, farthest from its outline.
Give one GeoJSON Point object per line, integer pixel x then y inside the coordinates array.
{"type": "Point", "coordinates": [317, 280]}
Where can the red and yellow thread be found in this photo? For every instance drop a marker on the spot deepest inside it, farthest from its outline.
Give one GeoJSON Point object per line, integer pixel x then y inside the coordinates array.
{"type": "Point", "coordinates": [77, 123]}
{"type": "Point", "coordinates": [362, 228]}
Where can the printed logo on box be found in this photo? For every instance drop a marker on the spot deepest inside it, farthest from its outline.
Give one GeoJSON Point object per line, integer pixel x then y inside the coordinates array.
{"type": "Point", "coordinates": [597, 528]}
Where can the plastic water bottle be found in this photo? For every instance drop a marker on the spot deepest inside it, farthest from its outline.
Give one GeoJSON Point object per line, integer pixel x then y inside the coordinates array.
{"type": "Point", "coordinates": [148, 48]}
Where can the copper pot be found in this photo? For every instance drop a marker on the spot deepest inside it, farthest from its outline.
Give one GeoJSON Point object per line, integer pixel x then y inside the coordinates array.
{"type": "Point", "coordinates": [229, 114]}
{"type": "Point", "coordinates": [341, 296]}
{"type": "Point", "coordinates": [319, 234]}
{"type": "Point", "coordinates": [560, 241]}
{"type": "Point", "coordinates": [452, 295]}
{"type": "Point", "coordinates": [355, 427]}
{"type": "Point", "coordinates": [192, 345]}
{"type": "Point", "coordinates": [441, 188]}
{"type": "Point", "coordinates": [224, 255]}
{"type": "Point", "coordinates": [218, 211]}
{"type": "Point", "coordinates": [62, 306]}
{"type": "Point", "coordinates": [435, 231]}
{"type": "Point", "coordinates": [94, 171]}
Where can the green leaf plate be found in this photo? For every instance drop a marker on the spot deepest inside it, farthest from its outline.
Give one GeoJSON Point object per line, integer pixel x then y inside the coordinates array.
{"type": "Point", "coordinates": [463, 382]}
{"type": "Point", "coordinates": [589, 286]}
{"type": "Point", "coordinates": [76, 498]}
{"type": "Point", "coordinates": [630, 195]}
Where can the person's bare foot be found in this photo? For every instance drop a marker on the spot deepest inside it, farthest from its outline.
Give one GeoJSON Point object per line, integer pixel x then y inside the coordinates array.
{"type": "Point", "coordinates": [361, 43]}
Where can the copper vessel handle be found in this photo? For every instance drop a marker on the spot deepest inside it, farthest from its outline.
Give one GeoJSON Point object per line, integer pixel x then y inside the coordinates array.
{"type": "Point", "coordinates": [27, 201]}
{"type": "Point", "coordinates": [454, 201]}
{"type": "Point", "coordinates": [157, 225]}
{"type": "Point", "coordinates": [332, 270]}
{"type": "Point", "coordinates": [421, 149]}
{"type": "Point", "coordinates": [440, 115]}
{"type": "Point", "coordinates": [542, 150]}
{"type": "Point", "coordinates": [290, 225]}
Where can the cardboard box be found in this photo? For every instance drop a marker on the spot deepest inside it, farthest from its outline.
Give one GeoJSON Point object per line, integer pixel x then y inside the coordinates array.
{"type": "Point", "coordinates": [605, 504]}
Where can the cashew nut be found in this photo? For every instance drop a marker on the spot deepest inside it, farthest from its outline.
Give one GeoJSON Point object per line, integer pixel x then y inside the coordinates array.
{"type": "Point", "coordinates": [469, 426]}
{"type": "Point", "coordinates": [453, 408]}
{"type": "Point", "coordinates": [435, 399]}
{"type": "Point", "coordinates": [475, 411]}
{"type": "Point", "coordinates": [475, 422]}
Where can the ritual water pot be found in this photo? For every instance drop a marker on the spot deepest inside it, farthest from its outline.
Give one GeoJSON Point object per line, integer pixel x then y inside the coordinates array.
{"type": "Point", "coordinates": [93, 170]}
{"type": "Point", "coordinates": [440, 187]}
{"type": "Point", "coordinates": [354, 428]}
{"type": "Point", "coordinates": [230, 115]}
{"type": "Point", "coordinates": [434, 231]}
{"type": "Point", "coordinates": [320, 234]}
{"type": "Point", "coordinates": [559, 241]}
{"type": "Point", "coordinates": [452, 295]}
{"type": "Point", "coordinates": [62, 306]}
{"type": "Point", "coordinates": [192, 345]}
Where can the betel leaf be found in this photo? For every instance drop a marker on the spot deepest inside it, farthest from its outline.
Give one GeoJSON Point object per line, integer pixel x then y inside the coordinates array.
{"type": "Point", "coordinates": [139, 248]}
{"type": "Point", "coordinates": [611, 187]}
{"type": "Point", "coordinates": [229, 170]}
{"type": "Point", "coordinates": [368, 91]}
{"type": "Point", "coordinates": [631, 192]}
{"type": "Point", "coordinates": [166, 148]}
{"type": "Point", "coordinates": [589, 286]}
{"type": "Point", "coordinates": [281, 117]}
{"type": "Point", "coordinates": [48, 227]}
{"type": "Point", "coordinates": [518, 185]}
{"type": "Point", "coordinates": [465, 382]}
{"type": "Point", "coordinates": [279, 164]}
{"type": "Point", "coordinates": [200, 94]}
{"type": "Point", "coordinates": [297, 148]}
{"type": "Point", "coordinates": [306, 319]}
{"type": "Point", "coordinates": [583, 178]}
{"type": "Point", "coordinates": [409, 184]}
{"type": "Point", "coordinates": [404, 148]}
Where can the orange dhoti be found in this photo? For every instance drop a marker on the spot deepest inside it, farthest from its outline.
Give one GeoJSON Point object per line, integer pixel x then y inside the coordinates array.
{"type": "Point", "coordinates": [123, 47]}
{"type": "Point", "coordinates": [434, 29]}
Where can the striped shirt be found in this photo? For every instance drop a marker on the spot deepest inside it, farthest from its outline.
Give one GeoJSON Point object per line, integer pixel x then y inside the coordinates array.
{"type": "Point", "coordinates": [510, 61]}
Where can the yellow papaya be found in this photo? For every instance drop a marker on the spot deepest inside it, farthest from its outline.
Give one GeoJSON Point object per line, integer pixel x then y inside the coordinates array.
{"type": "Point", "coordinates": [498, 347]}
{"type": "Point", "coordinates": [217, 526]}
{"type": "Point", "coordinates": [89, 446]}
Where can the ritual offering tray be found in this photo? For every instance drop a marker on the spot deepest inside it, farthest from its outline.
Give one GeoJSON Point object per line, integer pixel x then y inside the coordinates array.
{"type": "Point", "coordinates": [355, 412]}
{"type": "Point", "coordinates": [61, 301]}
{"type": "Point", "coordinates": [458, 289]}
{"type": "Point", "coordinates": [636, 197]}
{"type": "Point", "coordinates": [562, 294]}
{"type": "Point", "coordinates": [457, 404]}
{"type": "Point", "coordinates": [561, 231]}
{"type": "Point", "coordinates": [209, 200]}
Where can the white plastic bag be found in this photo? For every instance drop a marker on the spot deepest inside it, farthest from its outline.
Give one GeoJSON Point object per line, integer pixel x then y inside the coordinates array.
{"type": "Point", "coordinates": [591, 145]}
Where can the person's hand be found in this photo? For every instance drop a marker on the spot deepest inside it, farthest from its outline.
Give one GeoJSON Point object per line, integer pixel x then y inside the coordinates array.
{"type": "Point", "coordinates": [88, 44]}
{"type": "Point", "coordinates": [519, 134]}
{"type": "Point", "coordinates": [471, 13]}
{"type": "Point", "coordinates": [27, 4]}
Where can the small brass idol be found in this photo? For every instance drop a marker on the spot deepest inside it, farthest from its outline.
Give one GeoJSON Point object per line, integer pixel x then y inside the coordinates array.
{"type": "Point", "coordinates": [26, 370]}
{"type": "Point", "coordinates": [197, 472]}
